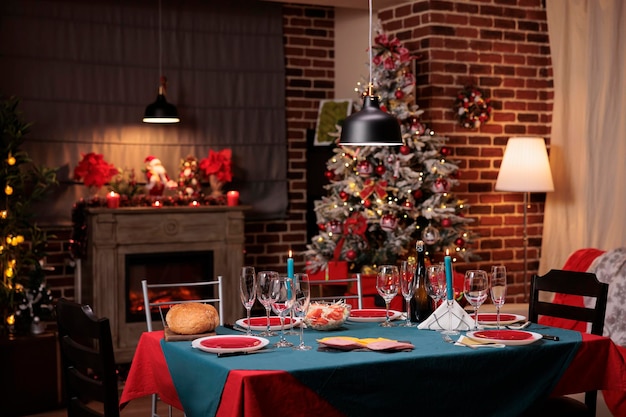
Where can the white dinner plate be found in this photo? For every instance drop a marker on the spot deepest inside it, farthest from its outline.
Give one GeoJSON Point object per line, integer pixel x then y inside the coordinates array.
{"type": "Point", "coordinates": [506, 337]}
{"type": "Point", "coordinates": [259, 324]}
{"type": "Point", "coordinates": [505, 318]}
{"type": "Point", "coordinates": [229, 343]}
{"type": "Point", "coordinates": [372, 315]}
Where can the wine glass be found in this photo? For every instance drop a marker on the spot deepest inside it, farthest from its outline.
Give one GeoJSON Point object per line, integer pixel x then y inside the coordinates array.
{"type": "Point", "coordinates": [282, 296]}
{"type": "Point", "coordinates": [247, 291]}
{"type": "Point", "coordinates": [265, 296]}
{"type": "Point", "coordinates": [387, 283]}
{"type": "Point", "coordinates": [407, 285]}
{"type": "Point", "coordinates": [436, 283]}
{"type": "Point", "coordinates": [475, 289]}
{"type": "Point", "coordinates": [302, 299]}
{"type": "Point", "coordinates": [498, 289]}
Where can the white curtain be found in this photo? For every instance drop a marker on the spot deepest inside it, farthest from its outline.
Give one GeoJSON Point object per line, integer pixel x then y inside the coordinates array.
{"type": "Point", "coordinates": [588, 140]}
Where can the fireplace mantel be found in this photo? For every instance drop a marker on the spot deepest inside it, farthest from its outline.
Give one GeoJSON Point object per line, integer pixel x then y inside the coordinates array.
{"type": "Point", "coordinates": [115, 233]}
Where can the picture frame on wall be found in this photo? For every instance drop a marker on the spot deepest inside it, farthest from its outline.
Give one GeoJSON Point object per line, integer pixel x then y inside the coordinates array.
{"type": "Point", "coordinates": [331, 113]}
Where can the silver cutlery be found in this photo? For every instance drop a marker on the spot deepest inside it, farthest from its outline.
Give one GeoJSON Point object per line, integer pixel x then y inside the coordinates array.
{"type": "Point", "coordinates": [228, 354]}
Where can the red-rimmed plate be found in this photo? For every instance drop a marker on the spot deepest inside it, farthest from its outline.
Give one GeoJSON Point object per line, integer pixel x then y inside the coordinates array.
{"type": "Point", "coordinates": [372, 315]}
{"type": "Point", "coordinates": [506, 337]}
{"type": "Point", "coordinates": [259, 324]}
{"type": "Point", "coordinates": [491, 318]}
{"type": "Point", "coordinates": [228, 344]}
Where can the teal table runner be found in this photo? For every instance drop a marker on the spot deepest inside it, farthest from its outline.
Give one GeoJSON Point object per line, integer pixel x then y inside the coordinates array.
{"type": "Point", "coordinates": [436, 377]}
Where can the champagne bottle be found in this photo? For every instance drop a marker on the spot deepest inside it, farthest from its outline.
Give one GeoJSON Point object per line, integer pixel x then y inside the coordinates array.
{"type": "Point", "coordinates": [421, 303]}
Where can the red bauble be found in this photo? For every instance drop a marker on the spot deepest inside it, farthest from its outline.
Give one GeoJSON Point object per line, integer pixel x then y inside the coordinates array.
{"type": "Point", "coordinates": [445, 151]}
{"type": "Point", "coordinates": [446, 222]}
{"type": "Point", "coordinates": [459, 242]}
{"type": "Point", "coordinates": [399, 94]}
{"type": "Point", "coordinates": [367, 204]}
{"type": "Point", "coordinates": [351, 255]}
{"type": "Point", "coordinates": [417, 194]}
{"type": "Point", "coordinates": [408, 204]}
{"type": "Point", "coordinates": [380, 169]}
{"type": "Point", "coordinates": [329, 175]}
{"type": "Point", "coordinates": [405, 150]}
{"type": "Point", "coordinates": [343, 195]}
{"type": "Point", "coordinates": [321, 226]}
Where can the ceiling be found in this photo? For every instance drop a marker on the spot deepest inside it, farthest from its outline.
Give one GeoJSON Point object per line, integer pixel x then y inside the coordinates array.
{"type": "Point", "coordinates": [348, 4]}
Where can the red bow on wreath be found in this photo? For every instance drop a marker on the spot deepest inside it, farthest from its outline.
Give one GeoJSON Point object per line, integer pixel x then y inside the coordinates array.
{"type": "Point", "coordinates": [371, 186]}
{"type": "Point", "coordinates": [354, 225]}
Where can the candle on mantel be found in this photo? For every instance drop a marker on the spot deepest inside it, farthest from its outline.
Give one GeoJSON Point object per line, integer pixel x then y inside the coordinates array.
{"type": "Point", "coordinates": [449, 282]}
{"type": "Point", "coordinates": [156, 203]}
{"type": "Point", "coordinates": [290, 264]}
{"type": "Point", "coordinates": [113, 200]}
{"type": "Point", "coordinates": [232, 198]}
{"type": "Point", "coordinates": [194, 203]}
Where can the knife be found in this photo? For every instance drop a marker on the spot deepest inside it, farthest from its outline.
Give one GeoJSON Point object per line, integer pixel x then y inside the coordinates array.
{"type": "Point", "coordinates": [549, 337]}
{"type": "Point", "coordinates": [227, 354]}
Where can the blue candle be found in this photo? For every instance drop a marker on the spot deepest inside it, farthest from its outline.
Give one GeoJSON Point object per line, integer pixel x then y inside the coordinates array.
{"type": "Point", "coordinates": [290, 265]}
{"type": "Point", "coordinates": [449, 283]}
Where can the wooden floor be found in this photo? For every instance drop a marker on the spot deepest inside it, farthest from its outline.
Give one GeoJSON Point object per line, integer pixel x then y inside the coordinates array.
{"type": "Point", "coordinates": [136, 408]}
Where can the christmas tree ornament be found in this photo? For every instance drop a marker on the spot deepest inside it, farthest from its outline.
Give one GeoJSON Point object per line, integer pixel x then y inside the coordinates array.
{"type": "Point", "coordinates": [405, 150]}
{"type": "Point", "coordinates": [329, 175]}
{"type": "Point", "coordinates": [367, 203]}
{"type": "Point", "coordinates": [417, 194]}
{"type": "Point", "coordinates": [430, 235]}
{"type": "Point", "coordinates": [445, 151]}
{"type": "Point", "coordinates": [441, 185]}
{"type": "Point", "coordinates": [380, 169]}
{"type": "Point", "coordinates": [351, 255]}
{"type": "Point", "coordinates": [388, 222]}
{"type": "Point", "coordinates": [399, 94]}
{"type": "Point", "coordinates": [446, 222]}
{"type": "Point", "coordinates": [460, 242]}
{"type": "Point", "coordinates": [334, 227]}
{"type": "Point", "coordinates": [343, 195]}
{"type": "Point", "coordinates": [364, 169]}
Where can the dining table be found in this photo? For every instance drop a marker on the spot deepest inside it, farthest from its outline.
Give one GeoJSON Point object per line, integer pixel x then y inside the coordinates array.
{"type": "Point", "coordinates": [433, 377]}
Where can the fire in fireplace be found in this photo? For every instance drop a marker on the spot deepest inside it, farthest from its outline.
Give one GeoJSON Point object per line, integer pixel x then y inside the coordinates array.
{"type": "Point", "coordinates": [158, 268]}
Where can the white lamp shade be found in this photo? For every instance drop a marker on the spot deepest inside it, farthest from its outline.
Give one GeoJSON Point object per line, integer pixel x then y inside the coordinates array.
{"type": "Point", "coordinates": [525, 166]}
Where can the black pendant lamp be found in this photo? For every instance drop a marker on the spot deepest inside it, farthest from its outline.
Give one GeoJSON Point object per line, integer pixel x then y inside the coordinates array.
{"type": "Point", "coordinates": [370, 126]}
{"type": "Point", "coordinates": [161, 111]}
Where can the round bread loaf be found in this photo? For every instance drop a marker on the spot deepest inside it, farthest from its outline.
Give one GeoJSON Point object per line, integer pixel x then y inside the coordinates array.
{"type": "Point", "coordinates": [192, 318]}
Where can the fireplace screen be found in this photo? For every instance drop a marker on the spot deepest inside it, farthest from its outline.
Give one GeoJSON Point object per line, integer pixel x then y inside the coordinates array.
{"type": "Point", "coordinates": [161, 268]}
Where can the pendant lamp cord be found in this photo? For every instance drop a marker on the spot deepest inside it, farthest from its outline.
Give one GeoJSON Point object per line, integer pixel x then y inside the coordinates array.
{"type": "Point", "coordinates": [160, 44]}
{"type": "Point", "coordinates": [370, 87]}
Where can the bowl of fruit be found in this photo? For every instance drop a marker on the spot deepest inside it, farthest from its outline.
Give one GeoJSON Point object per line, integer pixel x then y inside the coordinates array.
{"type": "Point", "coordinates": [325, 316]}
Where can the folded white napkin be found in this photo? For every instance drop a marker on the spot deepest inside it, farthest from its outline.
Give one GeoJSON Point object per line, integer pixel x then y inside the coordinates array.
{"type": "Point", "coordinates": [443, 319]}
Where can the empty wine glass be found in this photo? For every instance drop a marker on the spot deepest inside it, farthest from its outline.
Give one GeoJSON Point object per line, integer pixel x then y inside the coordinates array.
{"type": "Point", "coordinates": [247, 291]}
{"type": "Point", "coordinates": [498, 289]}
{"type": "Point", "coordinates": [436, 283]}
{"type": "Point", "coordinates": [265, 296]}
{"type": "Point", "coordinates": [407, 285]}
{"type": "Point", "coordinates": [387, 283]}
{"type": "Point", "coordinates": [475, 289]}
{"type": "Point", "coordinates": [302, 299]}
{"type": "Point", "coordinates": [282, 296]}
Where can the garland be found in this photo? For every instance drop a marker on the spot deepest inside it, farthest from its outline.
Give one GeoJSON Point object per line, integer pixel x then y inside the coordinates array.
{"type": "Point", "coordinates": [472, 107]}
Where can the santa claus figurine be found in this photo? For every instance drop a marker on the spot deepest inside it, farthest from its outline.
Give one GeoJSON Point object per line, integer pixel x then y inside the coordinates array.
{"type": "Point", "coordinates": [156, 177]}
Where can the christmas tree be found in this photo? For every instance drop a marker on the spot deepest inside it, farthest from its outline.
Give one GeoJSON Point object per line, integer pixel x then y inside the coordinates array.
{"type": "Point", "coordinates": [382, 199]}
{"type": "Point", "coordinates": [24, 297]}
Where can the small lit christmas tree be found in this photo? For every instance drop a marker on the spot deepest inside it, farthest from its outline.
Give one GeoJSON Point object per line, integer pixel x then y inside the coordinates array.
{"type": "Point", "coordinates": [381, 199]}
{"type": "Point", "coordinates": [24, 297]}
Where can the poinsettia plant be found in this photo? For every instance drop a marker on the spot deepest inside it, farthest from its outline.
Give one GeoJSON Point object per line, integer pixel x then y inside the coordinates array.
{"type": "Point", "coordinates": [94, 171]}
{"type": "Point", "coordinates": [217, 168]}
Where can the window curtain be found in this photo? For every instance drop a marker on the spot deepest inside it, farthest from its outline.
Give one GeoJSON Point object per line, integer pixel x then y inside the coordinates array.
{"type": "Point", "coordinates": [588, 140]}
{"type": "Point", "coordinates": [86, 70]}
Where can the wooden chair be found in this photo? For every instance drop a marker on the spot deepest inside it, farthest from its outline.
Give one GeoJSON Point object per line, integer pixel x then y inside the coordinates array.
{"type": "Point", "coordinates": [88, 361]}
{"type": "Point", "coordinates": [355, 280]}
{"type": "Point", "coordinates": [572, 283]}
{"type": "Point", "coordinates": [147, 289]}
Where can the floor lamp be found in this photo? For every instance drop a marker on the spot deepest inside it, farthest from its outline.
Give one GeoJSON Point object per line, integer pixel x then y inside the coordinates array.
{"type": "Point", "coordinates": [525, 168]}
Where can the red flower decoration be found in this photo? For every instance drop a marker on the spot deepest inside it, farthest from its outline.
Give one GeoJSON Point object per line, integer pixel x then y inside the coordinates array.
{"type": "Point", "coordinates": [94, 170]}
{"type": "Point", "coordinates": [218, 164]}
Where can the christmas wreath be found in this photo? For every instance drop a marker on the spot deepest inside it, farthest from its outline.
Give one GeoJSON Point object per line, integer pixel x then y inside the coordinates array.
{"type": "Point", "coordinates": [472, 107]}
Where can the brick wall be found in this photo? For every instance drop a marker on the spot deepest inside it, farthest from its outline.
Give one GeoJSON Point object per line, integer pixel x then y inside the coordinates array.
{"type": "Point", "coordinates": [501, 45]}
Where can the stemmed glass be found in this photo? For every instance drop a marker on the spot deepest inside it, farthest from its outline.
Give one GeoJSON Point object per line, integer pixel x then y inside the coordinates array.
{"type": "Point", "coordinates": [475, 289]}
{"type": "Point", "coordinates": [387, 283]}
{"type": "Point", "coordinates": [247, 291]}
{"type": "Point", "coordinates": [436, 283]}
{"type": "Point", "coordinates": [282, 296]}
{"type": "Point", "coordinates": [302, 299]}
{"type": "Point", "coordinates": [265, 296]}
{"type": "Point", "coordinates": [498, 289]}
{"type": "Point", "coordinates": [407, 285]}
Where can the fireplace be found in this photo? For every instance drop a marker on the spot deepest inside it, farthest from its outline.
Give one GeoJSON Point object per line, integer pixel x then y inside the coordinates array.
{"type": "Point", "coordinates": [127, 245]}
{"type": "Point", "coordinates": [160, 268]}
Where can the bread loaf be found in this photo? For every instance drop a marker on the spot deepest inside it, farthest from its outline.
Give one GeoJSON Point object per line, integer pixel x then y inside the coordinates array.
{"type": "Point", "coordinates": [192, 318]}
